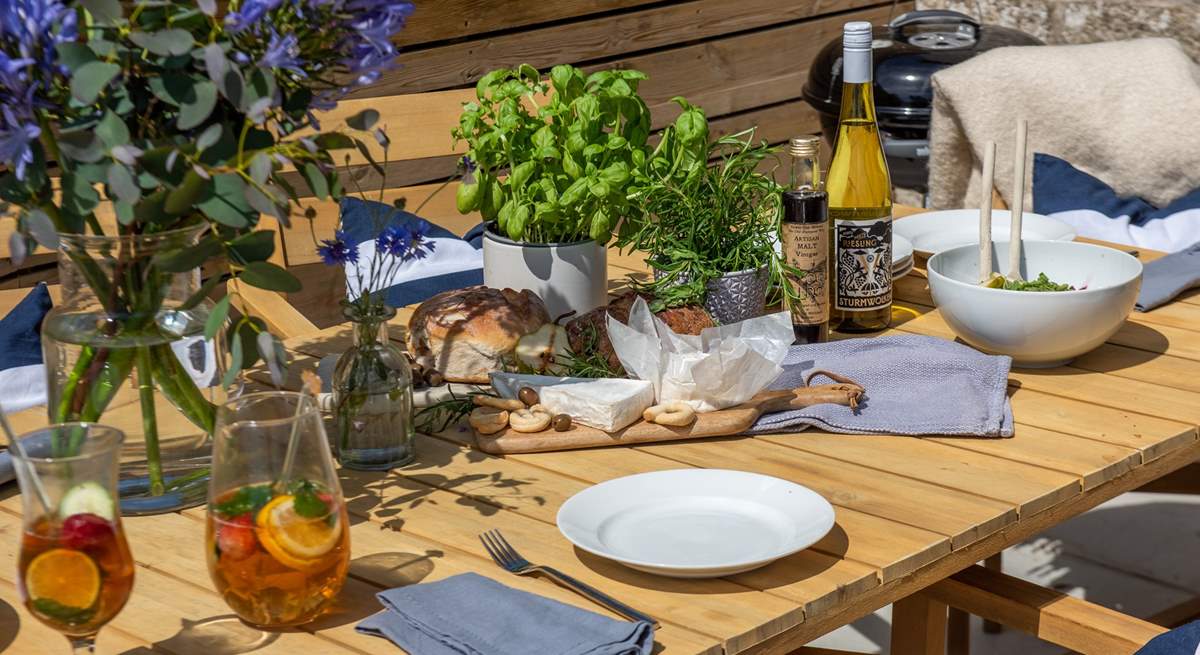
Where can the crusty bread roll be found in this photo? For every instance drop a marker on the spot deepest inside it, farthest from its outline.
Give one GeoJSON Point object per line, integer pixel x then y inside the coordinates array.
{"type": "Point", "coordinates": [466, 333]}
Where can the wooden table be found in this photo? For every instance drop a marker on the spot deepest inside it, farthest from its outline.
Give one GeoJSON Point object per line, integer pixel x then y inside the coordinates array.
{"type": "Point", "coordinates": [910, 511]}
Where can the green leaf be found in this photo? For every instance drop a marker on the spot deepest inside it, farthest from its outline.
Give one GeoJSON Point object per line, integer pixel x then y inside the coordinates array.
{"type": "Point", "coordinates": [253, 247]}
{"type": "Point", "coordinates": [60, 613]}
{"type": "Point", "coordinates": [307, 503]}
{"type": "Point", "coordinates": [208, 137]}
{"type": "Point", "coordinates": [165, 42]}
{"type": "Point", "coordinates": [41, 228]}
{"type": "Point", "coordinates": [265, 205]}
{"type": "Point", "coordinates": [266, 275]}
{"type": "Point", "coordinates": [246, 500]}
{"type": "Point", "coordinates": [73, 55]}
{"type": "Point", "coordinates": [363, 120]}
{"type": "Point", "coordinates": [274, 355]}
{"type": "Point", "coordinates": [333, 141]}
{"type": "Point", "coordinates": [172, 88]}
{"type": "Point", "coordinates": [112, 130]}
{"type": "Point", "coordinates": [90, 80]}
{"type": "Point", "coordinates": [599, 188]}
{"type": "Point", "coordinates": [78, 195]}
{"type": "Point", "coordinates": [216, 319]}
{"type": "Point", "coordinates": [195, 112]}
{"type": "Point", "coordinates": [183, 197]}
{"type": "Point", "coordinates": [187, 259]}
{"type": "Point", "coordinates": [260, 167]}
{"type": "Point", "coordinates": [81, 146]}
{"type": "Point", "coordinates": [226, 204]}
{"type": "Point", "coordinates": [106, 12]}
{"type": "Point", "coordinates": [316, 180]}
{"type": "Point", "coordinates": [122, 184]}
{"type": "Point", "coordinates": [235, 363]}
{"type": "Point", "coordinates": [125, 213]}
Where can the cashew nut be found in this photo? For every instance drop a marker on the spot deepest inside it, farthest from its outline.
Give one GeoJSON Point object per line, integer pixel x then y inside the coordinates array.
{"type": "Point", "coordinates": [488, 420]}
{"type": "Point", "coordinates": [675, 413]}
{"type": "Point", "coordinates": [509, 404]}
{"type": "Point", "coordinates": [529, 420]}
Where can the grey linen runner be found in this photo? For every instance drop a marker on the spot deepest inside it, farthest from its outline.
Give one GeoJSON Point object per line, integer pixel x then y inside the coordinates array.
{"type": "Point", "coordinates": [915, 385]}
{"type": "Point", "coordinates": [469, 614]}
{"type": "Point", "coordinates": [1165, 278]}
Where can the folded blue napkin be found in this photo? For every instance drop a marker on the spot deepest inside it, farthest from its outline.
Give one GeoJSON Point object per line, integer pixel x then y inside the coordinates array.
{"type": "Point", "coordinates": [915, 385]}
{"type": "Point", "coordinates": [469, 614]}
{"type": "Point", "coordinates": [1184, 640]}
{"type": "Point", "coordinates": [1165, 278]}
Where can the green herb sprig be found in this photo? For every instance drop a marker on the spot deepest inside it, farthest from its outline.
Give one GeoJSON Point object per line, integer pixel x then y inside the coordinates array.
{"type": "Point", "coordinates": [1042, 283]}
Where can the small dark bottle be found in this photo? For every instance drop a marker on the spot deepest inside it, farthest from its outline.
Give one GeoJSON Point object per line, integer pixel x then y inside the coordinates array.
{"type": "Point", "coordinates": [805, 237]}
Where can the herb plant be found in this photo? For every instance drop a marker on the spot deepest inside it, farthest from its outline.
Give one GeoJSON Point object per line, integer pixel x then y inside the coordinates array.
{"type": "Point", "coordinates": [571, 151]}
{"type": "Point", "coordinates": [715, 218]}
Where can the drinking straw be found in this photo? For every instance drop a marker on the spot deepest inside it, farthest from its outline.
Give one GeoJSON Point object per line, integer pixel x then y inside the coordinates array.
{"type": "Point", "coordinates": [289, 458]}
{"type": "Point", "coordinates": [38, 489]}
{"type": "Point", "coordinates": [1018, 206]}
{"type": "Point", "coordinates": [985, 212]}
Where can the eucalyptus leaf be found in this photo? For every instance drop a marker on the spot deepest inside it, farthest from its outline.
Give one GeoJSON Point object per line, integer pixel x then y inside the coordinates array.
{"type": "Point", "coordinates": [165, 42]}
{"type": "Point", "coordinates": [196, 111]}
{"type": "Point", "coordinates": [183, 197]}
{"type": "Point", "coordinates": [266, 275]}
{"type": "Point", "coordinates": [112, 130]}
{"type": "Point", "coordinates": [81, 146]}
{"type": "Point", "coordinates": [188, 259]}
{"type": "Point", "coordinates": [260, 167]}
{"type": "Point", "coordinates": [273, 355]}
{"type": "Point", "coordinates": [235, 363]}
{"type": "Point", "coordinates": [73, 54]}
{"type": "Point", "coordinates": [208, 137]}
{"type": "Point", "coordinates": [209, 7]}
{"type": "Point", "coordinates": [216, 318]}
{"type": "Point", "coordinates": [41, 228]}
{"type": "Point", "coordinates": [253, 247]}
{"type": "Point", "coordinates": [105, 12]}
{"type": "Point", "coordinates": [215, 63]}
{"type": "Point", "coordinates": [316, 180]}
{"type": "Point", "coordinates": [226, 202]}
{"type": "Point", "coordinates": [261, 203]}
{"type": "Point", "coordinates": [17, 251]}
{"type": "Point", "coordinates": [122, 184]}
{"type": "Point", "coordinates": [200, 294]}
{"type": "Point", "coordinates": [90, 79]}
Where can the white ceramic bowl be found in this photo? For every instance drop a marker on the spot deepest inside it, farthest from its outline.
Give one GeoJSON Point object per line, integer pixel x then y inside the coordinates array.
{"type": "Point", "coordinates": [1037, 329]}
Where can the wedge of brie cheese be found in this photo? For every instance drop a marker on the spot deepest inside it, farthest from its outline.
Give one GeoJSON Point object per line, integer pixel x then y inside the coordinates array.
{"type": "Point", "coordinates": [607, 404]}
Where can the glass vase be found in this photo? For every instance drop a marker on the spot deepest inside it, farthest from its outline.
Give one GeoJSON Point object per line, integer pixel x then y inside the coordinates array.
{"type": "Point", "coordinates": [372, 396]}
{"type": "Point", "coordinates": [126, 347]}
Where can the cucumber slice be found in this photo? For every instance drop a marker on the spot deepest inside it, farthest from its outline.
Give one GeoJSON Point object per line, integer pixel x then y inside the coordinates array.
{"type": "Point", "coordinates": [87, 498]}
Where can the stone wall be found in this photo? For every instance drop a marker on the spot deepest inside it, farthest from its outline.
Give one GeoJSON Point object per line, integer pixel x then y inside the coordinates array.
{"type": "Point", "coordinates": [1088, 21]}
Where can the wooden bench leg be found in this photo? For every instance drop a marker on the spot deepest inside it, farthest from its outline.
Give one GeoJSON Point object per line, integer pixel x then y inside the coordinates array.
{"type": "Point", "coordinates": [958, 633]}
{"type": "Point", "coordinates": [994, 563]}
{"type": "Point", "coordinates": [919, 626]}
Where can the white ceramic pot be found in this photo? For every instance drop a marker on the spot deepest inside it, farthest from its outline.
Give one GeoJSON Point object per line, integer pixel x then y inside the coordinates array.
{"type": "Point", "coordinates": [567, 276]}
{"type": "Point", "coordinates": [1037, 329]}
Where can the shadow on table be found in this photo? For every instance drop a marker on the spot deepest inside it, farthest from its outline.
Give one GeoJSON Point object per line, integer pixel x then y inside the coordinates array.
{"type": "Point", "coordinates": [224, 634]}
{"type": "Point", "coordinates": [10, 622]}
{"type": "Point", "coordinates": [385, 496]}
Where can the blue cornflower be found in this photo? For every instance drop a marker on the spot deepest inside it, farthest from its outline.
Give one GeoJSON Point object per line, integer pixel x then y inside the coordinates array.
{"type": "Point", "coordinates": [337, 251]}
{"type": "Point", "coordinates": [406, 242]}
{"type": "Point", "coordinates": [394, 240]}
{"type": "Point", "coordinates": [468, 167]}
{"type": "Point", "coordinates": [283, 52]}
{"type": "Point", "coordinates": [249, 13]}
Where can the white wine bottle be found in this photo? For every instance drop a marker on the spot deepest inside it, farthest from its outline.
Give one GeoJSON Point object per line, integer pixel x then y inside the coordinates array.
{"type": "Point", "coordinates": [860, 199]}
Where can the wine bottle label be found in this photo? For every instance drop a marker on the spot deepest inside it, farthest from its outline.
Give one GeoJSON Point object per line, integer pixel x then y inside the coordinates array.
{"type": "Point", "coordinates": [806, 248]}
{"type": "Point", "coordinates": [863, 256]}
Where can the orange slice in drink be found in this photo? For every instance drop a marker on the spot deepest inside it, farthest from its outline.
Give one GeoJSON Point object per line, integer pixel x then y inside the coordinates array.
{"type": "Point", "coordinates": [67, 577]}
{"type": "Point", "coordinates": [295, 541]}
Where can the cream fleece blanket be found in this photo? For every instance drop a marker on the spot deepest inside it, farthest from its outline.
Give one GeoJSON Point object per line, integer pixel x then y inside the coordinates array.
{"type": "Point", "coordinates": [1127, 112]}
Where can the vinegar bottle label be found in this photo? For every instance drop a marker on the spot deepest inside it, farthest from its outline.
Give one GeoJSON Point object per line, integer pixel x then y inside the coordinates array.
{"type": "Point", "coordinates": [806, 247]}
{"type": "Point", "coordinates": [863, 257]}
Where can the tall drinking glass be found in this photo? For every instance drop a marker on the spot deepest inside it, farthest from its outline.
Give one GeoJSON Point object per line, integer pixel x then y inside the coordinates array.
{"type": "Point", "coordinates": [278, 541]}
{"type": "Point", "coordinates": [74, 570]}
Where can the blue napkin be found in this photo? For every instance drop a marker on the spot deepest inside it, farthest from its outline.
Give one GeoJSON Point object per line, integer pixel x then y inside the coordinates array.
{"type": "Point", "coordinates": [915, 385]}
{"type": "Point", "coordinates": [469, 614]}
{"type": "Point", "coordinates": [1165, 278]}
{"type": "Point", "coordinates": [1184, 640]}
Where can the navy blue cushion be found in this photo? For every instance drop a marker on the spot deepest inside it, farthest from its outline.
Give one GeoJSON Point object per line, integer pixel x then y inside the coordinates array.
{"type": "Point", "coordinates": [1095, 210]}
{"type": "Point", "coordinates": [455, 262]}
{"type": "Point", "coordinates": [21, 330]}
{"type": "Point", "coordinates": [1184, 640]}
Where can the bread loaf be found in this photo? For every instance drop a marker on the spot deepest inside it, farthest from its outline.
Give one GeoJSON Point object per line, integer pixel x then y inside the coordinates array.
{"type": "Point", "coordinates": [466, 333]}
{"type": "Point", "coordinates": [590, 331]}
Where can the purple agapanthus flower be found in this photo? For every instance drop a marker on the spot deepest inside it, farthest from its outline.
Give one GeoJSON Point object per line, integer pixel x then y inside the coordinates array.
{"type": "Point", "coordinates": [283, 52]}
{"type": "Point", "coordinates": [16, 141]}
{"type": "Point", "coordinates": [374, 23]}
{"type": "Point", "coordinates": [249, 13]}
{"type": "Point", "coordinates": [338, 251]}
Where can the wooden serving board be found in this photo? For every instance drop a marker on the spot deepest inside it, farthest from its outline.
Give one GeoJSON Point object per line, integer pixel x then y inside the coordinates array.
{"type": "Point", "coordinates": [721, 423]}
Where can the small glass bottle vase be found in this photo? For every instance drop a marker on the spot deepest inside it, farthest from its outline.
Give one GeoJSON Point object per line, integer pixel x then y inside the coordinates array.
{"type": "Point", "coordinates": [372, 397]}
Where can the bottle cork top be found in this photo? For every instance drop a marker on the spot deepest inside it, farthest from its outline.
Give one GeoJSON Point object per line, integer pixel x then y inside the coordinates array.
{"type": "Point", "coordinates": [856, 35]}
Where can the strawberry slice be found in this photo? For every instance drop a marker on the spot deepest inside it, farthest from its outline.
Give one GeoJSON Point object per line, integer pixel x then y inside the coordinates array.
{"type": "Point", "coordinates": [235, 538]}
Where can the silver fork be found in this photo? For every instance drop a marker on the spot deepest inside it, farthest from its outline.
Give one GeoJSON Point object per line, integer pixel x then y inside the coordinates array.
{"type": "Point", "coordinates": [510, 560]}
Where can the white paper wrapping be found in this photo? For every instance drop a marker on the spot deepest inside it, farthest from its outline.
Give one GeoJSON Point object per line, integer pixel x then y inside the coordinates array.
{"type": "Point", "coordinates": [722, 367]}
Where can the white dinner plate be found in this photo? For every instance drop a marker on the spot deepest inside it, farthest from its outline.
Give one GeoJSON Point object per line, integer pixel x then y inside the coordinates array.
{"type": "Point", "coordinates": [933, 232]}
{"type": "Point", "coordinates": [902, 249]}
{"type": "Point", "coordinates": [695, 523]}
{"type": "Point", "coordinates": [903, 268]}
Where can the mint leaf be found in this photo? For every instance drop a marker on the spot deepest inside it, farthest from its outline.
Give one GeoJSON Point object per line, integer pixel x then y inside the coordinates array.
{"type": "Point", "coordinates": [307, 503]}
{"type": "Point", "coordinates": [247, 499]}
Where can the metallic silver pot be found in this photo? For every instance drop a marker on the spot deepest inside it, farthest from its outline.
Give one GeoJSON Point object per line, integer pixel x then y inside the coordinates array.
{"type": "Point", "coordinates": [734, 296]}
